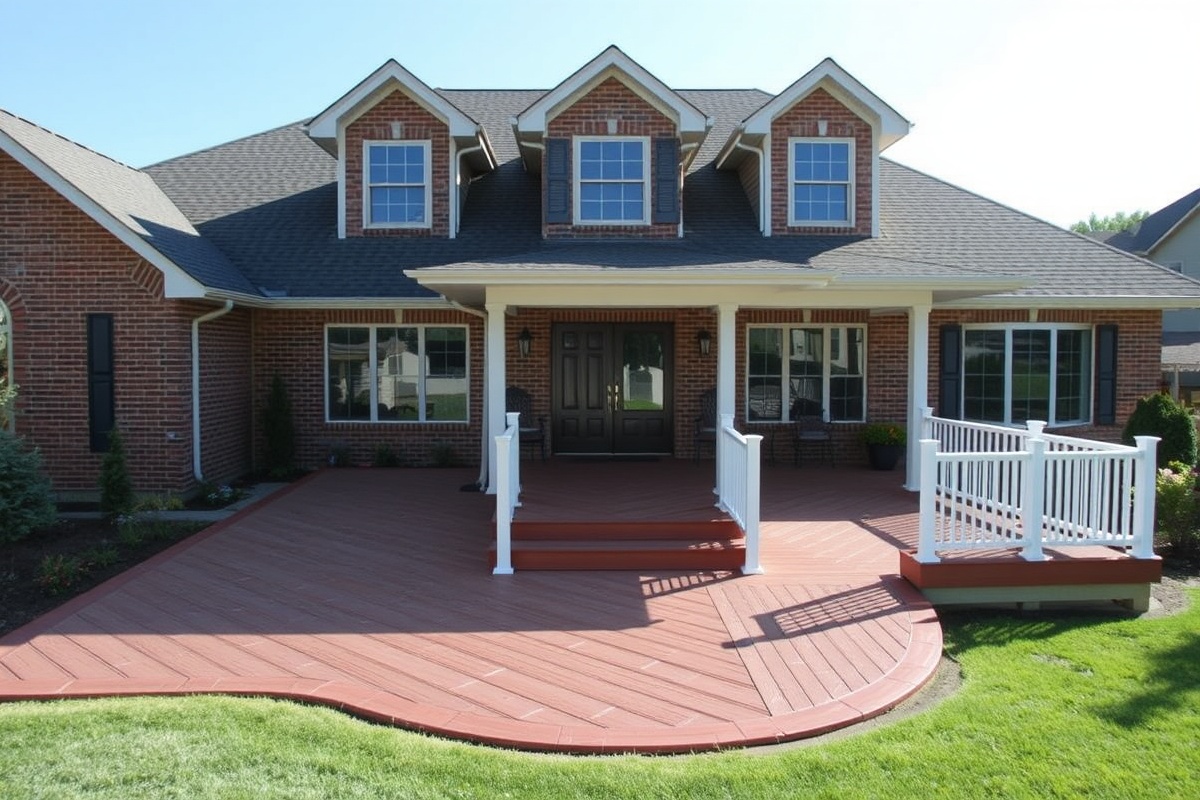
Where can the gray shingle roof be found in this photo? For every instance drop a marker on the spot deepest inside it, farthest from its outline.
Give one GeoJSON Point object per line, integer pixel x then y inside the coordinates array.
{"type": "Point", "coordinates": [1150, 231]}
{"type": "Point", "coordinates": [133, 199]}
{"type": "Point", "coordinates": [269, 203]}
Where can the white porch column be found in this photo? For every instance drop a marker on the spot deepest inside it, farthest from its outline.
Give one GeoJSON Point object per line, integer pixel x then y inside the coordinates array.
{"type": "Point", "coordinates": [493, 418]}
{"type": "Point", "coordinates": [918, 390]}
{"type": "Point", "coordinates": [726, 374]}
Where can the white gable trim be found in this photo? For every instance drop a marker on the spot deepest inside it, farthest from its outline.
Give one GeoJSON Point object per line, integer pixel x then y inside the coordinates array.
{"type": "Point", "coordinates": [890, 126]}
{"type": "Point", "coordinates": [176, 281]}
{"type": "Point", "coordinates": [689, 118]}
{"type": "Point", "coordinates": [325, 124]}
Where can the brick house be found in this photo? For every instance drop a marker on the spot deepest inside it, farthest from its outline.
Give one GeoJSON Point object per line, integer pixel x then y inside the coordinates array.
{"type": "Point", "coordinates": [617, 248]}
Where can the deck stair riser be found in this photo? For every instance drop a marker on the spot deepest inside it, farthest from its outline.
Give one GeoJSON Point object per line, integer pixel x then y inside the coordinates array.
{"type": "Point", "coordinates": [716, 544]}
{"type": "Point", "coordinates": [530, 531]}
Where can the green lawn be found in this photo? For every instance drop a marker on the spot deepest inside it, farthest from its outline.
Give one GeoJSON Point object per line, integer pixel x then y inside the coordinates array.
{"type": "Point", "coordinates": [1052, 706]}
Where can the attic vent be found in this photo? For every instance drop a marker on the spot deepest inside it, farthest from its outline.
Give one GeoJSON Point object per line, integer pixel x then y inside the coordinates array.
{"type": "Point", "coordinates": [1175, 265]}
{"type": "Point", "coordinates": [397, 129]}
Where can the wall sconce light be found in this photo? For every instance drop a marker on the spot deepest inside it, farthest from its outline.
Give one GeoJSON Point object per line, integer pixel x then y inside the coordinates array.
{"type": "Point", "coordinates": [704, 342]}
{"type": "Point", "coordinates": [524, 340]}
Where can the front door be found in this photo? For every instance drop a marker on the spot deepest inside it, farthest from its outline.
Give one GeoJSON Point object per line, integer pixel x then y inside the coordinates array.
{"type": "Point", "coordinates": [612, 388]}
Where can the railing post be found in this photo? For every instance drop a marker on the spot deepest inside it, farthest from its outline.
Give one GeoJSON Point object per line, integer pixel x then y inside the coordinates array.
{"type": "Point", "coordinates": [723, 421]}
{"type": "Point", "coordinates": [503, 478]}
{"type": "Point", "coordinates": [1033, 505]}
{"type": "Point", "coordinates": [926, 543]}
{"type": "Point", "coordinates": [1144, 493]}
{"type": "Point", "coordinates": [751, 511]}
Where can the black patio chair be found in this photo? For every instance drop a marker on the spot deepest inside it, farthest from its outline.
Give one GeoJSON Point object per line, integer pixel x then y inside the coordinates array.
{"type": "Point", "coordinates": [811, 431]}
{"type": "Point", "coordinates": [518, 400]}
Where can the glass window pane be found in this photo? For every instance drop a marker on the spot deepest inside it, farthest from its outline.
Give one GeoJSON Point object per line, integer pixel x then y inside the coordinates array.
{"type": "Point", "coordinates": [983, 375]}
{"type": "Point", "coordinates": [398, 373]}
{"type": "Point", "coordinates": [347, 373]}
{"type": "Point", "coordinates": [1030, 375]}
{"type": "Point", "coordinates": [446, 374]}
{"type": "Point", "coordinates": [1072, 377]}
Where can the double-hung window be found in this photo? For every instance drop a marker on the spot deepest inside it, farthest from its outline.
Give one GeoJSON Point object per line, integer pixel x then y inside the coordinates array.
{"type": "Point", "coordinates": [821, 182]}
{"type": "Point", "coordinates": [397, 184]}
{"type": "Point", "coordinates": [808, 370]}
{"type": "Point", "coordinates": [1014, 374]}
{"type": "Point", "coordinates": [396, 374]}
{"type": "Point", "coordinates": [612, 181]}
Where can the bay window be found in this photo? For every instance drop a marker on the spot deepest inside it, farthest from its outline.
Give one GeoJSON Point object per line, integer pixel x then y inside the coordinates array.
{"type": "Point", "coordinates": [806, 370]}
{"type": "Point", "coordinates": [1014, 374]}
{"type": "Point", "coordinates": [415, 373]}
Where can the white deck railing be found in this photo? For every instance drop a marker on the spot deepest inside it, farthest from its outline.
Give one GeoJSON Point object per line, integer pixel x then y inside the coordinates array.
{"type": "Point", "coordinates": [738, 485]}
{"type": "Point", "coordinates": [987, 487]}
{"type": "Point", "coordinates": [508, 490]}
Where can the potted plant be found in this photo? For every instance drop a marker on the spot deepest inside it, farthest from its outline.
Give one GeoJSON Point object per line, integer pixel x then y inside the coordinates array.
{"type": "Point", "coordinates": [885, 443]}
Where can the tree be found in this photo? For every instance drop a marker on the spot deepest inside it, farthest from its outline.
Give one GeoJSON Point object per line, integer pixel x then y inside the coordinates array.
{"type": "Point", "coordinates": [1117, 222]}
{"type": "Point", "coordinates": [279, 431]}
{"type": "Point", "coordinates": [116, 488]}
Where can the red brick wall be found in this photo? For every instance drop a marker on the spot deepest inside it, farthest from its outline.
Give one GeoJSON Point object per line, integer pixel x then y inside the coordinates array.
{"type": "Point", "coordinates": [56, 267]}
{"type": "Point", "coordinates": [801, 120]}
{"type": "Point", "coordinates": [419, 124]}
{"type": "Point", "coordinates": [588, 116]}
{"type": "Point", "coordinates": [225, 410]}
{"type": "Point", "coordinates": [292, 343]}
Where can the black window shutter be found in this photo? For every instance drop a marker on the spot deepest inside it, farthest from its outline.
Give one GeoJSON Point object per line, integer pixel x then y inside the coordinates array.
{"type": "Point", "coordinates": [558, 180]}
{"type": "Point", "coordinates": [1106, 374]}
{"type": "Point", "coordinates": [101, 408]}
{"type": "Point", "coordinates": [666, 181]}
{"type": "Point", "coordinates": [950, 372]}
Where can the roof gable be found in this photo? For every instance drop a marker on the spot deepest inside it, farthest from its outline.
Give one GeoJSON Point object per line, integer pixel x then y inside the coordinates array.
{"type": "Point", "coordinates": [530, 124]}
{"type": "Point", "coordinates": [827, 75]}
{"type": "Point", "coordinates": [391, 76]}
{"type": "Point", "coordinates": [1157, 227]}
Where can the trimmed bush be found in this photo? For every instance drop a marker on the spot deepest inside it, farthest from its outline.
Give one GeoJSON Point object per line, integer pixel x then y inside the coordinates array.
{"type": "Point", "coordinates": [279, 431]}
{"type": "Point", "coordinates": [1175, 509]}
{"type": "Point", "coordinates": [25, 500]}
{"type": "Point", "coordinates": [116, 488]}
{"type": "Point", "coordinates": [1159, 415]}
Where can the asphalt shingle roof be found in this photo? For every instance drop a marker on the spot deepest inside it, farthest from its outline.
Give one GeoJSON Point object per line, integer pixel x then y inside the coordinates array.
{"type": "Point", "coordinates": [133, 199]}
{"type": "Point", "coordinates": [269, 203]}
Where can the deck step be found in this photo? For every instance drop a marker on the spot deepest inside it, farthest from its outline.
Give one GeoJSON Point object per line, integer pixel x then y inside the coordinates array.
{"type": "Point", "coordinates": [574, 554]}
{"type": "Point", "coordinates": [616, 530]}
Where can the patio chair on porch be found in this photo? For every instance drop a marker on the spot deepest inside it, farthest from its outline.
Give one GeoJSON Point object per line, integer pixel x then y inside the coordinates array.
{"type": "Point", "coordinates": [518, 400]}
{"type": "Point", "coordinates": [706, 424]}
{"type": "Point", "coordinates": [811, 431]}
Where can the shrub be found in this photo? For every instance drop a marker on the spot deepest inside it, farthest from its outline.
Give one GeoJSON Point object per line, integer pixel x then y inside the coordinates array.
{"type": "Point", "coordinates": [339, 456]}
{"type": "Point", "coordinates": [279, 431]}
{"type": "Point", "coordinates": [155, 502]}
{"type": "Point", "coordinates": [442, 455]}
{"type": "Point", "coordinates": [116, 489]}
{"type": "Point", "coordinates": [883, 433]}
{"type": "Point", "coordinates": [58, 573]}
{"type": "Point", "coordinates": [1175, 509]}
{"type": "Point", "coordinates": [8, 398]}
{"type": "Point", "coordinates": [25, 500]}
{"type": "Point", "coordinates": [1159, 415]}
{"type": "Point", "coordinates": [385, 456]}
{"type": "Point", "coordinates": [216, 495]}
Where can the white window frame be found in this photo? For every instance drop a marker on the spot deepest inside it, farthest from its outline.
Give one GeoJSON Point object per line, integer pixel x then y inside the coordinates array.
{"type": "Point", "coordinates": [792, 182]}
{"type": "Point", "coordinates": [577, 181]}
{"type": "Point", "coordinates": [785, 364]}
{"type": "Point", "coordinates": [1008, 329]}
{"type": "Point", "coordinates": [373, 369]}
{"type": "Point", "coordinates": [6, 365]}
{"type": "Point", "coordinates": [427, 147]}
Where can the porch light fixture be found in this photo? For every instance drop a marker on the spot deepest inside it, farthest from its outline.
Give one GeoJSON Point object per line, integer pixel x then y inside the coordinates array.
{"type": "Point", "coordinates": [524, 340]}
{"type": "Point", "coordinates": [704, 342]}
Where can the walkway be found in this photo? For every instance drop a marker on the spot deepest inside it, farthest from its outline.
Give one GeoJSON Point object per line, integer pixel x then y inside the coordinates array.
{"type": "Point", "coordinates": [368, 590]}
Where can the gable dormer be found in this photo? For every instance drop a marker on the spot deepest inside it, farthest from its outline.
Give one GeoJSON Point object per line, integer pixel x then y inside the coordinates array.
{"type": "Point", "coordinates": [404, 153]}
{"type": "Point", "coordinates": [809, 158]}
{"type": "Point", "coordinates": [612, 143]}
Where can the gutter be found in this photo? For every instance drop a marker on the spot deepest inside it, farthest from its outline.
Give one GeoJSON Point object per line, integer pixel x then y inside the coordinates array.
{"type": "Point", "coordinates": [197, 473]}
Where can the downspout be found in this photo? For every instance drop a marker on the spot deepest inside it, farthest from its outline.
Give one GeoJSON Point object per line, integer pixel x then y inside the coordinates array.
{"type": "Point", "coordinates": [763, 205]}
{"type": "Point", "coordinates": [483, 461]}
{"type": "Point", "coordinates": [197, 473]}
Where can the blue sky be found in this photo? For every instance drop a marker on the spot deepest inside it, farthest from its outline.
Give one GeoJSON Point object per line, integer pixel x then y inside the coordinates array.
{"type": "Point", "coordinates": [1056, 107]}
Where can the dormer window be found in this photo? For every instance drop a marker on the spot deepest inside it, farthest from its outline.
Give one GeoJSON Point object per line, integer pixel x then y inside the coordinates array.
{"type": "Point", "coordinates": [821, 178]}
{"type": "Point", "coordinates": [612, 176]}
{"type": "Point", "coordinates": [397, 184]}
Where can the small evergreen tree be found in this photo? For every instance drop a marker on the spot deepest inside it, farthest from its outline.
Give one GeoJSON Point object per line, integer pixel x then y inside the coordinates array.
{"type": "Point", "coordinates": [1159, 415]}
{"type": "Point", "coordinates": [25, 499]}
{"type": "Point", "coordinates": [116, 488]}
{"type": "Point", "coordinates": [279, 432]}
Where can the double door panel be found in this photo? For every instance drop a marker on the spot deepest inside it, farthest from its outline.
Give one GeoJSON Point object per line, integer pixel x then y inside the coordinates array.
{"type": "Point", "coordinates": [612, 388]}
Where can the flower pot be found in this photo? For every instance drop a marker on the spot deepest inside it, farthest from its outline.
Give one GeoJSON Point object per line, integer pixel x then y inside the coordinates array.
{"type": "Point", "coordinates": [884, 456]}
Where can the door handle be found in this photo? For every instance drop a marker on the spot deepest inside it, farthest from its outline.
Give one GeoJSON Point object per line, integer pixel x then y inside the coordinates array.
{"type": "Point", "coordinates": [616, 397]}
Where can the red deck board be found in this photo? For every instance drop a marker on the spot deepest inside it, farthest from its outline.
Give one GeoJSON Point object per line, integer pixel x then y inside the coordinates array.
{"type": "Point", "coordinates": [370, 589]}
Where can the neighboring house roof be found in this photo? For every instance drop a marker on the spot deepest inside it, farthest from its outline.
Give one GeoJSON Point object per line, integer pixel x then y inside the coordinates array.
{"type": "Point", "coordinates": [1148, 234]}
{"type": "Point", "coordinates": [1181, 350]}
{"type": "Point", "coordinates": [128, 203]}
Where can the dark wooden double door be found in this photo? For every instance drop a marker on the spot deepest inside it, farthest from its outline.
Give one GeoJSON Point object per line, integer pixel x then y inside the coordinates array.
{"type": "Point", "coordinates": [612, 388]}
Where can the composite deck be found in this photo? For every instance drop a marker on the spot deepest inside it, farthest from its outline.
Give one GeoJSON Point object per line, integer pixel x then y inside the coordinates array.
{"type": "Point", "coordinates": [369, 590]}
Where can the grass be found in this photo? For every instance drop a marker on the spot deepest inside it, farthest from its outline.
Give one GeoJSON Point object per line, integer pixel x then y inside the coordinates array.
{"type": "Point", "coordinates": [1052, 706]}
